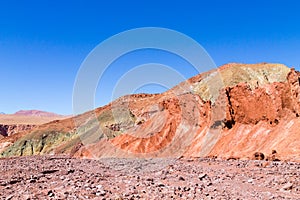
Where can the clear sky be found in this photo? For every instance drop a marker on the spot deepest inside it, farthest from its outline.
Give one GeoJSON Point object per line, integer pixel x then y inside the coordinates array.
{"type": "Point", "coordinates": [43, 43]}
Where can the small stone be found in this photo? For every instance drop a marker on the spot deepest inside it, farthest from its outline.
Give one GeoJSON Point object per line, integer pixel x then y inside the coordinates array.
{"type": "Point", "coordinates": [9, 197]}
{"type": "Point", "coordinates": [201, 176]}
{"type": "Point", "coordinates": [209, 183]}
{"type": "Point", "coordinates": [50, 193]}
{"type": "Point", "coordinates": [101, 193]}
{"type": "Point", "coordinates": [250, 180]}
{"type": "Point", "coordinates": [287, 186]}
{"type": "Point", "coordinates": [99, 186]}
{"type": "Point", "coordinates": [3, 184]}
{"type": "Point", "coordinates": [161, 185]}
{"type": "Point", "coordinates": [32, 181]}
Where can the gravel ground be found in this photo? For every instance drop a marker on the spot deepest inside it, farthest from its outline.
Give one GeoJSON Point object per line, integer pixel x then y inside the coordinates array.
{"type": "Point", "coordinates": [48, 177]}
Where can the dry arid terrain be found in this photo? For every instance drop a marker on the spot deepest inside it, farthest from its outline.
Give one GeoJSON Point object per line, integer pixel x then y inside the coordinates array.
{"type": "Point", "coordinates": [230, 133]}
{"type": "Point", "coordinates": [234, 111]}
{"type": "Point", "coordinates": [49, 177]}
{"type": "Point", "coordinates": [25, 121]}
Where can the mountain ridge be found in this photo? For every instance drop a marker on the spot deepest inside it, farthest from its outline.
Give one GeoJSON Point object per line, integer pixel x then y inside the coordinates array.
{"type": "Point", "coordinates": [37, 113]}
{"type": "Point", "coordinates": [202, 116]}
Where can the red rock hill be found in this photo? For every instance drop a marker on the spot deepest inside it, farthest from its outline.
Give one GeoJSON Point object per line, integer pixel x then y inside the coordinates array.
{"type": "Point", "coordinates": [235, 111]}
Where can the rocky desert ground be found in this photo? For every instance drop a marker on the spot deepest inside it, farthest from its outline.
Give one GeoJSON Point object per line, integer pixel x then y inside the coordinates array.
{"type": "Point", "coordinates": [57, 177]}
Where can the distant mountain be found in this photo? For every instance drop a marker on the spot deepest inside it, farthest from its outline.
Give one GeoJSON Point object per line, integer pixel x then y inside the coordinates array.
{"type": "Point", "coordinates": [29, 117]}
{"type": "Point", "coordinates": [24, 120]}
{"type": "Point", "coordinates": [37, 113]}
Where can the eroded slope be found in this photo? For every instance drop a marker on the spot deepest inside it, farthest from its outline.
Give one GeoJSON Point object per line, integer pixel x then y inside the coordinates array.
{"type": "Point", "coordinates": [234, 111]}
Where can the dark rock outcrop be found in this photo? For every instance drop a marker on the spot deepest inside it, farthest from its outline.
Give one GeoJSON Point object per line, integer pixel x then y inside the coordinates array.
{"type": "Point", "coordinates": [8, 130]}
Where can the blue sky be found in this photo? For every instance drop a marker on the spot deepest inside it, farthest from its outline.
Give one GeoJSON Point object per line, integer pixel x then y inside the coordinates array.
{"type": "Point", "coordinates": [43, 43]}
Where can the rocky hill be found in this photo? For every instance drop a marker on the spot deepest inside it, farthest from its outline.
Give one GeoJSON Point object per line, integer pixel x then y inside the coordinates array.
{"type": "Point", "coordinates": [23, 121]}
{"type": "Point", "coordinates": [236, 111]}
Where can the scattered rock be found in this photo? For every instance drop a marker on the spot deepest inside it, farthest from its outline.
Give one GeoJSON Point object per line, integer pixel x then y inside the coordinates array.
{"type": "Point", "coordinates": [202, 176]}
{"type": "Point", "coordinates": [103, 179]}
{"type": "Point", "coordinates": [259, 156]}
{"type": "Point", "coordinates": [287, 186]}
{"type": "Point", "coordinates": [50, 193]}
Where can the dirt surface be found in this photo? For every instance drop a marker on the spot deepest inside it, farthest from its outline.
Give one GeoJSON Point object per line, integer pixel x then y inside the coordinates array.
{"type": "Point", "coordinates": [40, 177]}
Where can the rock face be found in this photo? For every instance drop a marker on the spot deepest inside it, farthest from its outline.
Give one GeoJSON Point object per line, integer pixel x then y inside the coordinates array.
{"type": "Point", "coordinates": [265, 119]}
{"type": "Point", "coordinates": [232, 112]}
{"type": "Point", "coordinates": [270, 102]}
{"type": "Point", "coordinates": [8, 130]}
